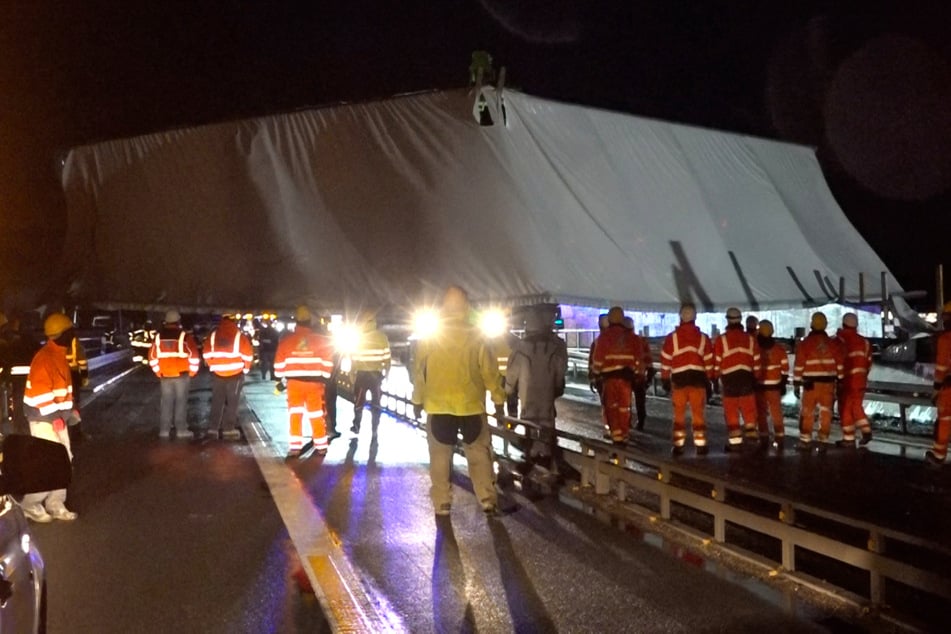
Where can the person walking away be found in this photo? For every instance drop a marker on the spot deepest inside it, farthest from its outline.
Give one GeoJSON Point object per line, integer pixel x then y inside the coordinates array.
{"type": "Point", "coordinates": [268, 338]}
{"type": "Point", "coordinates": [305, 358]}
{"type": "Point", "coordinates": [174, 359]}
{"type": "Point", "coordinates": [857, 362]}
{"type": "Point", "coordinates": [752, 325]}
{"type": "Point", "coordinates": [686, 370]}
{"type": "Point", "coordinates": [453, 369]}
{"type": "Point", "coordinates": [79, 372]}
{"type": "Point", "coordinates": [229, 354]}
{"type": "Point", "coordinates": [47, 403]}
{"type": "Point", "coordinates": [539, 365]}
{"type": "Point", "coordinates": [370, 363]}
{"type": "Point", "coordinates": [594, 382]}
{"type": "Point", "coordinates": [643, 378]}
{"type": "Point", "coordinates": [942, 391]}
{"type": "Point", "coordinates": [819, 364]}
{"type": "Point", "coordinates": [772, 376]}
{"type": "Point", "coordinates": [735, 355]}
{"type": "Point", "coordinates": [617, 363]}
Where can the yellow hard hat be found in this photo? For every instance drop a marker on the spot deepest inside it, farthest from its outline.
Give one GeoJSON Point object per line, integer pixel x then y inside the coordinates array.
{"type": "Point", "coordinates": [56, 324]}
{"type": "Point", "coordinates": [818, 321]}
{"type": "Point", "coordinates": [616, 315]}
{"type": "Point", "coordinates": [302, 314]}
{"type": "Point", "coordinates": [766, 328]}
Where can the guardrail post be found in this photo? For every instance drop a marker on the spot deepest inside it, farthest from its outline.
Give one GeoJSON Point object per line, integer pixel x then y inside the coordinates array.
{"type": "Point", "coordinates": [663, 474]}
{"type": "Point", "coordinates": [719, 521]}
{"type": "Point", "coordinates": [587, 466]}
{"type": "Point", "coordinates": [602, 479]}
{"type": "Point", "coordinates": [787, 515]}
{"type": "Point", "coordinates": [876, 544]}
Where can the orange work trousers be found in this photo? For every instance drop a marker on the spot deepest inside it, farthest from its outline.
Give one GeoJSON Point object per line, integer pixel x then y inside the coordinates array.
{"type": "Point", "coordinates": [942, 428]}
{"type": "Point", "coordinates": [733, 408]}
{"type": "Point", "coordinates": [852, 413]}
{"type": "Point", "coordinates": [305, 402]}
{"type": "Point", "coordinates": [821, 396]}
{"type": "Point", "coordinates": [616, 406]}
{"type": "Point", "coordinates": [696, 398]}
{"type": "Point", "coordinates": [769, 406]}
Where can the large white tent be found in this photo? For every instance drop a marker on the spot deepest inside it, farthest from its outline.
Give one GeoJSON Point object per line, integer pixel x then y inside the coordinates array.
{"type": "Point", "coordinates": [385, 203]}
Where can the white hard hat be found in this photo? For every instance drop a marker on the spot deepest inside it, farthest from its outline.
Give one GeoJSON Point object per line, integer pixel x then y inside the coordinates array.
{"type": "Point", "coordinates": [172, 317]}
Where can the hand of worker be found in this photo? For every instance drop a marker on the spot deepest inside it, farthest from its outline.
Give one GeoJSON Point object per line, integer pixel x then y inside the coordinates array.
{"type": "Point", "coordinates": [417, 410]}
{"type": "Point", "coordinates": [499, 413]}
{"type": "Point", "coordinates": [59, 424]}
{"type": "Point", "coordinates": [796, 391]}
{"type": "Point", "coordinates": [665, 385]}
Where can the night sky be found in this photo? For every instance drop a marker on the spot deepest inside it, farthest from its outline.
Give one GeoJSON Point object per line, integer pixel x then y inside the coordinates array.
{"type": "Point", "coordinates": [870, 90]}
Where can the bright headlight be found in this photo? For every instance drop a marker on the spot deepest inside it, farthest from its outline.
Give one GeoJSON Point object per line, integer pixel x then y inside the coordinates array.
{"type": "Point", "coordinates": [493, 323]}
{"type": "Point", "coordinates": [425, 323]}
{"type": "Point", "coordinates": [346, 338]}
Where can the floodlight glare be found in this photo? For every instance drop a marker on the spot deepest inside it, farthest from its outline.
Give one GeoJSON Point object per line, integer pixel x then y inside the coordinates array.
{"type": "Point", "coordinates": [493, 322]}
{"type": "Point", "coordinates": [425, 323]}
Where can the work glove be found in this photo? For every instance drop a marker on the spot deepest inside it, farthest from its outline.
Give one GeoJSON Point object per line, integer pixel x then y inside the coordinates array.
{"type": "Point", "coordinates": [783, 382]}
{"type": "Point", "coordinates": [665, 385]}
{"type": "Point", "coordinates": [279, 386]}
{"type": "Point", "coordinates": [59, 424]}
{"type": "Point", "coordinates": [417, 410]}
{"type": "Point", "coordinates": [84, 382]}
{"type": "Point", "coordinates": [710, 385]}
{"type": "Point", "coordinates": [500, 414]}
{"type": "Point", "coordinates": [797, 389]}
{"type": "Point", "coordinates": [594, 386]}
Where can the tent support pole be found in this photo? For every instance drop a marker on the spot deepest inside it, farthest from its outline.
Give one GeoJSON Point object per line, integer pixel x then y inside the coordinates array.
{"type": "Point", "coordinates": [939, 288]}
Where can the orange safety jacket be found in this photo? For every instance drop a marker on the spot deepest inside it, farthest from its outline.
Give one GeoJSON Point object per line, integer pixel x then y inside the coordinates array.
{"type": "Point", "coordinates": [228, 352]}
{"type": "Point", "coordinates": [49, 387]}
{"type": "Point", "coordinates": [942, 361]}
{"type": "Point", "coordinates": [773, 368]}
{"type": "Point", "coordinates": [643, 348]}
{"type": "Point", "coordinates": [819, 358]}
{"type": "Point", "coordinates": [736, 354]}
{"type": "Point", "coordinates": [616, 354]}
{"type": "Point", "coordinates": [687, 357]}
{"type": "Point", "coordinates": [304, 354]}
{"type": "Point", "coordinates": [173, 353]}
{"type": "Point", "coordinates": [857, 360]}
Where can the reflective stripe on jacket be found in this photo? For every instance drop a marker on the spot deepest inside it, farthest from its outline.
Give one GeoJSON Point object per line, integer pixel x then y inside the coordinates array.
{"type": "Point", "coordinates": [304, 354]}
{"type": "Point", "coordinates": [774, 363]}
{"type": "Point", "coordinates": [454, 369]}
{"type": "Point", "coordinates": [942, 360]}
{"type": "Point", "coordinates": [616, 350]}
{"type": "Point", "coordinates": [49, 386]}
{"type": "Point", "coordinates": [818, 357]}
{"type": "Point", "coordinates": [373, 353]}
{"type": "Point", "coordinates": [735, 356]}
{"type": "Point", "coordinates": [687, 357]}
{"type": "Point", "coordinates": [173, 353]}
{"type": "Point", "coordinates": [76, 357]}
{"type": "Point", "coordinates": [229, 352]}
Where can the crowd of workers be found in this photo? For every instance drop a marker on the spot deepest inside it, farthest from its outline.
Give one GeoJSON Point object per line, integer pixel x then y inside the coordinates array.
{"type": "Point", "coordinates": [455, 368]}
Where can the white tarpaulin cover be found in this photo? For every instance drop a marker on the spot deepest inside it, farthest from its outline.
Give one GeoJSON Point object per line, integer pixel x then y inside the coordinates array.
{"type": "Point", "coordinates": [385, 203]}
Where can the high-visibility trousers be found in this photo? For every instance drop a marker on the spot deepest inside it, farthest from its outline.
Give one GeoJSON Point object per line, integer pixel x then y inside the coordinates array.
{"type": "Point", "coordinates": [769, 406]}
{"type": "Point", "coordinates": [852, 413]}
{"type": "Point", "coordinates": [733, 408]}
{"type": "Point", "coordinates": [305, 403]}
{"type": "Point", "coordinates": [696, 398]}
{"type": "Point", "coordinates": [616, 399]}
{"type": "Point", "coordinates": [942, 428]}
{"type": "Point", "coordinates": [821, 396]}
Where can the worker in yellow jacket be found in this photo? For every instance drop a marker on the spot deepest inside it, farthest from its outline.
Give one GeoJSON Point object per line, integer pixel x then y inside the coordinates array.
{"type": "Point", "coordinates": [453, 370]}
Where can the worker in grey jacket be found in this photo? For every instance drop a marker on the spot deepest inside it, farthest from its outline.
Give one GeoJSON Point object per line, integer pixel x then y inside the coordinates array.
{"type": "Point", "coordinates": [536, 372]}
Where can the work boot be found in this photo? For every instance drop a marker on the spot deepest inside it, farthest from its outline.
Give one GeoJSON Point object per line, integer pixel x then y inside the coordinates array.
{"type": "Point", "coordinates": [804, 445]}
{"type": "Point", "coordinates": [678, 451]}
{"type": "Point", "coordinates": [930, 456]}
{"type": "Point", "coordinates": [866, 438]}
{"type": "Point", "coordinates": [846, 444]}
{"type": "Point", "coordinates": [703, 450]}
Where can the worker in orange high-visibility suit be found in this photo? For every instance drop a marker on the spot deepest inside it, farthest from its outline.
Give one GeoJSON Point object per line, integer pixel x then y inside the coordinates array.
{"type": "Point", "coordinates": [48, 404]}
{"type": "Point", "coordinates": [819, 364]}
{"type": "Point", "coordinates": [644, 375]}
{"type": "Point", "coordinates": [686, 370]}
{"type": "Point", "coordinates": [305, 358]}
{"type": "Point", "coordinates": [229, 354]}
{"type": "Point", "coordinates": [772, 374]}
{"type": "Point", "coordinates": [616, 364]}
{"type": "Point", "coordinates": [857, 362]}
{"type": "Point", "coordinates": [735, 355]}
{"type": "Point", "coordinates": [173, 358]}
{"type": "Point", "coordinates": [942, 391]}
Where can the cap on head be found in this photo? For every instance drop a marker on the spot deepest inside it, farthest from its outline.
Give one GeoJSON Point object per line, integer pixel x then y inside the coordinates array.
{"type": "Point", "coordinates": [850, 320]}
{"type": "Point", "coordinates": [766, 328]}
{"type": "Point", "coordinates": [302, 314]}
{"type": "Point", "coordinates": [616, 316]}
{"type": "Point", "coordinates": [455, 301]}
{"type": "Point", "coordinates": [688, 312]}
{"type": "Point", "coordinates": [733, 315]}
{"type": "Point", "coordinates": [818, 321]}
{"type": "Point", "coordinates": [172, 317]}
{"type": "Point", "coordinates": [603, 321]}
{"type": "Point", "coordinates": [751, 322]}
{"type": "Point", "coordinates": [56, 324]}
